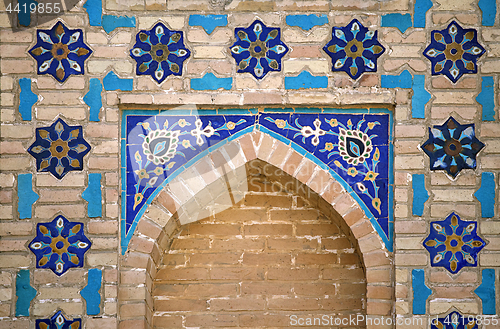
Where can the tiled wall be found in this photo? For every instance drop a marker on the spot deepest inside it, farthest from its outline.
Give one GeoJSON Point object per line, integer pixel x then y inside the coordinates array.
{"type": "Point", "coordinates": [68, 82]}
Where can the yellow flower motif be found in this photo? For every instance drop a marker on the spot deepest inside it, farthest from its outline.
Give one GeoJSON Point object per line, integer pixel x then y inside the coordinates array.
{"type": "Point", "coordinates": [333, 122]}
{"type": "Point", "coordinates": [376, 203]}
{"type": "Point", "coordinates": [186, 143]}
{"type": "Point", "coordinates": [337, 163]}
{"type": "Point", "coordinates": [371, 176]}
{"type": "Point", "coordinates": [145, 125]}
{"type": "Point", "coordinates": [182, 123]}
{"type": "Point", "coordinates": [230, 125]}
{"type": "Point", "coordinates": [142, 173]}
{"type": "Point", "coordinates": [371, 125]}
{"type": "Point", "coordinates": [137, 199]}
{"type": "Point", "coordinates": [280, 123]}
{"type": "Point", "coordinates": [158, 171]}
{"type": "Point", "coordinates": [328, 146]}
{"type": "Point", "coordinates": [352, 172]}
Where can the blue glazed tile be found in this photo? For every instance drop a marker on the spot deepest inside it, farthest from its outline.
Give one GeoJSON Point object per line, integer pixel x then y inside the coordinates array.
{"type": "Point", "coordinates": [488, 11]}
{"type": "Point", "coordinates": [111, 22]}
{"type": "Point", "coordinates": [403, 80]}
{"type": "Point", "coordinates": [59, 149]}
{"type": "Point", "coordinates": [25, 195]}
{"type": "Point", "coordinates": [159, 52]}
{"type": "Point", "coordinates": [94, 10]}
{"type": "Point", "coordinates": [258, 49]}
{"type": "Point", "coordinates": [354, 49]}
{"type": "Point", "coordinates": [93, 195]}
{"type": "Point", "coordinates": [487, 291]}
{"type": "Point", "coordinates": [400, 21]}
{"type": "Point", "coordinates": [24, 14]}
{"type": "Point", "coordinates": [59, 245]}
{"type": "Point", "coordinates": [487, 98]}
{"type": "Point", "coordinates": [25, 293]}
{"type": "Point", "coordinates": [420, 97]}
{"type": "Point", "coordinates": [308, 133]}
{"type": "Point", "coordinates": [58, 321]}
{"type": "Point", "coordinates": [454, 51]}
{"type": "Point", "coordinates": [27, 99]}
{"type": "Point", "coordinates": [453, 243]}
{"type": "Point", "coordinates": [454, 320]}
{"type": "Point", "coordinates": [420, 194]}
{"type": "Point", "coordinates": [306, 80]}
{"type": "Point", "coordinates": [211, 82]}
{"type": "Point", "coordinates": [307, 22]}
{"type": "Point", "coordinates": [112, 82]}
{"type": "Point", "coordinates": [208, 22]}
{"type": "Point", "coordinates": [420, 291]}
{"type": "Point", "coordinates": [420, 10]}
{"type": "Point", "coordinates": [60, 52]}
{"type": "Point", "coordinates": [93, 99]}
{"type": "Point", "coordinates": [91, 291]}
{"type": "Point", "coordinates": [486, 195]}
{"type": "Point", "coordinates": [452, 147]}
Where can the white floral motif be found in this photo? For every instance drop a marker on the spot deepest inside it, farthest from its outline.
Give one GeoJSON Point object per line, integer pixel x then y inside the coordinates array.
{"type": "Point", "coordinates": [307, 131]}
{"type": "Point", "coordinates": [199, 131]}
{"type": "Point", "coordinates": [160, 145]}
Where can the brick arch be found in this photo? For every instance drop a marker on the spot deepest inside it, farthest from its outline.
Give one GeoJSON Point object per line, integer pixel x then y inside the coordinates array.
{"type": "Point", "coordinates": [179, 204]}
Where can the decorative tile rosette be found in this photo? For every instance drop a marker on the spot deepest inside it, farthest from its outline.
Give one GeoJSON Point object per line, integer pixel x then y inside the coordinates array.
{"type": "Point", "coordinates": [353, 147]}
{"type": "Point", "coordinates": [453, 243]}
{"type": "Point", "coordinates": [159, 52]}
{"type": "Point", "coordinates": [354, 49]}
{"type": "Point", "coordinates": [452, 147]}
{"type": "Point", "coordinates": [59, 148]}
{"type": "Point", "coordinates": [59, 245]}
{"type": "Point", "coordinates": [454, 51]}
{"type": "Point", "coordinates": [60, 52]}
{"type": "Point", "coordinates": [58, 321]}
{"type": "Point", "coordinates": [258, 49]}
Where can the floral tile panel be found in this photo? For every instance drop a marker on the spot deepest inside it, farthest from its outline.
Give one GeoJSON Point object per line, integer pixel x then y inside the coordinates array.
{"type": "Point", "coordinates": [355, 147]}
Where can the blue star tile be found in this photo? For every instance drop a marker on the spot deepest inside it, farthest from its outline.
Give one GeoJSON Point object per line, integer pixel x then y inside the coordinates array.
{"type": "Point", "coordinates": [60, 52]}
{"type": "Point", "coordinates": [58, 321]}
{"type": "Point", "coordinates": [453, 243]}
{"type": "Point", "coordinates": [454, 320]}
{"type": "Point", "coordinates": [354, 49]}
{"type": "Point", "coordinates": [59, 148]}
{"type": "Point", "coordinates": [452, 147]}
{"type": "Point", "coordinates": [258, 49]}
{"type": "Point", "coordinates": [454, 51]}
{"type": "Point", "coordinates": [59, 245]}
{"type": "Point", "coordinates": [159, 52]}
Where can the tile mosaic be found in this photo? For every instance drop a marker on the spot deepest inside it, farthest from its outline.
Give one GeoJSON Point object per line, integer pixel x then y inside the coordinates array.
{"type": "Point", "coordinates": [24, 14]}
{"type": "Point", "coordinates": [91, 291]}
{"type": "Point", "coordinates": [208, 22]}
{"type": "Point", "coordinates": [420, 291]}
{"type": "Point", "coordinates": [307, 22]}
{"type": "Point", "coordinates": [25, 293]}
{"type": "Point", "coordinates": [159, 52]}
{"type": "Point", "coordinates": [453, 243]}
{"type": "Point", "coordinates": [60, 52]}
{"type": "Point", "coordinates": [111, 22]}
{"type": "Point", "coordinates": [403, 80]}
{"type": "Point", "coordinates": [486, 194]}
{"type": "Point", "coordinates": [27, 99]}
{"type": "Point", "coordinates": [306, 80]}
{"type": "Point", "coordinates": [258, 49]}
{"type": "Point", "coordinates": [59, 148]}
{"type": "Point", "coordinates": [420, 194]}
{"type": "Point", "coordinates": [454, 320]}
{"type": "Point", "coordinates": [452, 147]}
{"type": "Point", "coordinates": [419, 98]}
{"type": "Point", "coordinates": [454, 51]}
{"type": "Point", "coordinates": [58, 321]}
{"type": "Point", "coordinates": [487, 291]}
{"type": "Point", "coordinates": [25, 195]}
{"type": "Point", "coordinates": [112, 82]}
{"type": "Point", "coordinates": [488, 11]}
{"type": "Point", "coordinates": [93, 195]}
{"type": "Point", "coordinates": [354, 49]}
{"type": "Point", "coordinates": [355, 146]}
{"type": "Point", "coordinates": [93, 99]}
{"type": "Point", "coordinates": [420, 9]}
{"type": "Point", "coordinates": [401, 21]}
{"type": "Point", "coordinates": [487, 98]}
{"type": "Point", "coordinates": [211, 82]}
{"type": "Point", "coordinates": [94, 10]}
{"type": "Point", "coordinates": [59, 245]}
